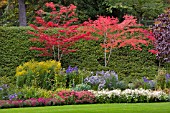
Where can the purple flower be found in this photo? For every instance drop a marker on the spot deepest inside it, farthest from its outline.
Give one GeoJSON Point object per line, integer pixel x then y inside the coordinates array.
{"type": "Point", "coordinates": [103, 79]}
{"type": "Point", "coordinates": [100, 72]}
{"type": "Point", "coordinates": [71, 69]}
{"type": "Point", "coordinates": [1, 88]}
{"type": "Point", "coordinates": [114, 74]}
{"type": "Point", "coordinates": [145, 79]}
{"type": "Point", "coordinates": [94, 81]}
{"type": "Point", "coordinates": [108, 74]}
{"type": "Point", "coordinates": [101, 86]}
{"type": "Point", "coordinates": [13, 96]}
{"type": "Point", "coordinates": [152, 84]}
{"type": "Point", "coordinates": [5, 86]}
{"type": "Point", "coordinates": [167, 77]}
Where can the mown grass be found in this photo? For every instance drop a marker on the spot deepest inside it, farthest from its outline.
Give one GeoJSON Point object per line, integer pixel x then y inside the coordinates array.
{"type": "Point", "coordinates": [96, 108]}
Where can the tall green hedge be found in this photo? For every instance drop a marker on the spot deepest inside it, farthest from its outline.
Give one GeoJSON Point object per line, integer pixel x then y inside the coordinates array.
{"type": "Point", "coordinates": [14, 50]}
{"type": "Point", "coordinates": [126, 62]}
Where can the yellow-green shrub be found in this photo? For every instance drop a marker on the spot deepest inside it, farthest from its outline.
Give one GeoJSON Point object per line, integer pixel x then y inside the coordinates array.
{"type": "Point", "coordinates": [38, 74]}
{"type": "Point", "coordinates": [32, 92]}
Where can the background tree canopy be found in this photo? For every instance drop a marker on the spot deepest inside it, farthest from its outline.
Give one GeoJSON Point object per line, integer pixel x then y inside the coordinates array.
{"type": "Point", "coordinates": [142, 9]}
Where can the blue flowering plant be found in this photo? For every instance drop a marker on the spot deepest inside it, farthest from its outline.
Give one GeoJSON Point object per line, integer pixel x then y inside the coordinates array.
{"type": "Point", "coordinates": [6, 94]}
{"type": "Point", "coordinates": [149, 84]}
{"type": "Point", "coordinates": [96, 82]}
{"type": "Point", "coordinates": [71, 76]}
{"type": "Point", "coordinates": [13, 96]}
{"type": "Point", "coordinates": [102, 80]}
{"type": "Point", "coordinates": [4, 89]}
{"type": "Point", "coordinates": [167, 80]}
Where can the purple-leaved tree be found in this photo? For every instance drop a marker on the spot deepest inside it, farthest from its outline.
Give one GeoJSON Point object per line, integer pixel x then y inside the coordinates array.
{"type": "Point", "coordinates": [161, 32]}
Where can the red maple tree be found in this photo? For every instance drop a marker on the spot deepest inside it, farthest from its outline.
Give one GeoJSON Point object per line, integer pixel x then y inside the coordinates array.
{"type": "Point", "coordinates": [62, 19]}
{"type": "Point", "coordinates": [116, 34]}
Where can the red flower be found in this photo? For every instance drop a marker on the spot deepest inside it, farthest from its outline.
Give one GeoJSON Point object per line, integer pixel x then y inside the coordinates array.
{"type": "Point", "coordinates": [72, 7]}
{"type": "Point", "coordinates": [153, 51]}
{"type": "Point", "coordinates": [40, 20]}
{"type": "Point", "coordinates": [40, 12]}
{"type": "Point", "coordinates": [51, 5]}
{"type": "Point", "coordinates": [63, 10]}
{"type": "Point", "coordinates": [50, 24]}
{"type": "Point", "coordinates": [33, 26]}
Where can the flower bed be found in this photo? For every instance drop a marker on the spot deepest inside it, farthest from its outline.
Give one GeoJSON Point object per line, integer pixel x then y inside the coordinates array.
{"type": "Point", "coordinates": [30, 102]}
{"type": "Point", "coordinates": [74, 97]}
{"type": "Point", "coordinates": [60, 98]}
{"type": "Point", "coordinates": [90, 97]}
{"type": "Point", "coordinates": [130, 96]}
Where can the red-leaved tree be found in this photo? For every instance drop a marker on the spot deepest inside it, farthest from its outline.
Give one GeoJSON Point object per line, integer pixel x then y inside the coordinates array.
{"type": "Point", "coordinates": [115, 34]}
{"type": "Point", "coordinates": [63, 20]}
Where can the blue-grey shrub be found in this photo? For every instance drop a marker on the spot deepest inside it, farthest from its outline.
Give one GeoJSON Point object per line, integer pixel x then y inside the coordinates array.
{"type": "Point", "coordinates": [102, 80]}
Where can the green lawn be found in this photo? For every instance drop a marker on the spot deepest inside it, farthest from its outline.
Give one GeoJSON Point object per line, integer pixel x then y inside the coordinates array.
{"type": "Point", "coordinates": [96, 108]}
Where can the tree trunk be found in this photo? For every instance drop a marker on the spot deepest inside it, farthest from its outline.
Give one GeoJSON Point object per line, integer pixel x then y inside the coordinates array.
{"type": "Point", "coordinates": [22, 13]}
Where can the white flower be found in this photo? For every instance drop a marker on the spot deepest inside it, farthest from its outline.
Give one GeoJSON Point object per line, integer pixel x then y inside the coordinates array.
{"type": "Point", "coordinates": [129, 93]}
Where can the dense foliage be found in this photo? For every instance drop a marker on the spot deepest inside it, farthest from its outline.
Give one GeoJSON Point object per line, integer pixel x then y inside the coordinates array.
{"type": "Point", "coordinates": [86, 9]}
{"type": "Point", "coordinates": [142, 9]}
{"type": "Point", "coordinates": [14, 46]}
{"type": "Point", "coordinates": [14, 49]}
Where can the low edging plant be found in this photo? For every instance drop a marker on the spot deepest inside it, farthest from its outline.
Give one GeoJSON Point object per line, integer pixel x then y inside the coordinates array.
{"type": "Point", "coordinates": [30, 102]}
{"type": "Point", "coordinates": [59, 98]}
{"type": "Point", "coordinates": [90, 97]}
{"type": "Point", "coordinates": [130, 96]}
{"type": "Point", "coordinates": [77, 97]}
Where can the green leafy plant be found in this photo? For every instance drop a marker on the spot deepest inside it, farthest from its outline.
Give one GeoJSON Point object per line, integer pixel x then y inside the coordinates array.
{"type": "Point", "coordinates": [122, 85]}
{"type": "Point", "coordinates": [160, 78]}
{"type": "Point", "coordinates": [81, 87]}
{"type": "Point", "coordinates": [33, 92]}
